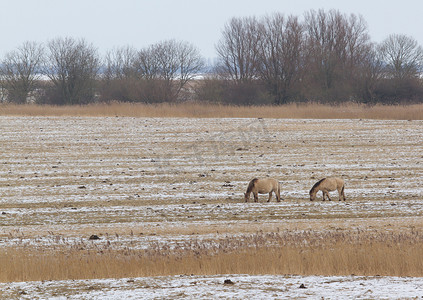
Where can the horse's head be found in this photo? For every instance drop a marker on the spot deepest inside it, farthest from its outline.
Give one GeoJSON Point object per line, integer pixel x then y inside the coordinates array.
{"type": "Point", "coordinates": [246, 197]}
{"type": "Point", "coordinates": [312, 195]}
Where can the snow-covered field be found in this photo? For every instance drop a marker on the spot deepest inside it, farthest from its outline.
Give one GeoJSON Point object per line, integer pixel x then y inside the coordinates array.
{"type": "Point", "coordinates": [214, 287]}
{"type": "Point", "coordinates": [137, 181]}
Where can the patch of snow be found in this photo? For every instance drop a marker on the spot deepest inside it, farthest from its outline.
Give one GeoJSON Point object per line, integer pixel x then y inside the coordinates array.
{"type": "Point", "coordinates": [207, 287]}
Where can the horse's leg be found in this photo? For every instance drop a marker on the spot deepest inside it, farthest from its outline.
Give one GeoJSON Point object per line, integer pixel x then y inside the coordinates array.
{"type": "Point", "coordinates": [342, 192]}
{"type": "Point", "coordinates": [324, 194]}
{"type": "Point", "coordinates": [255, 197]}
{"type": "Point", "coordinates": [278, 195]}
{"type": "Point", "coordinates": [270, 196]}
{"type": "Point", "coordinates": [327, 194]}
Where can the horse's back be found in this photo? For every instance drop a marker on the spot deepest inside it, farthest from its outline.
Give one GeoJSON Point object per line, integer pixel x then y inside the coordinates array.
{"type": "Point", "coordinates": [265, 185]}
{"type": "Point", "coordinates": [339, 181]}
{"type": "Point", "coordinates": [334, 182]}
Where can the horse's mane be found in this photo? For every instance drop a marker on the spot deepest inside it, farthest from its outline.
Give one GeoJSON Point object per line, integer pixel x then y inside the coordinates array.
{"type": "Point", "coordinates": [251, 185]}
{"type": "Point", "coordinates": [317, 184]}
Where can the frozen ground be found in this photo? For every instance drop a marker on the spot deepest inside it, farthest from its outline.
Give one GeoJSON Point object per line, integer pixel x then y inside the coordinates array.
{"type": "Point", "coordinates": [65, 175]}
{"type": "Point", "coordinates": [137, 181]}
{"type": "Point", "coordinates": [214, 287]}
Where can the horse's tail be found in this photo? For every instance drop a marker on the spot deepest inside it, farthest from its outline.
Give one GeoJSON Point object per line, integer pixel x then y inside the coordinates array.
{"type": "Point", "coordinates": [251, 185]}
{"type": "Point", "coordinates": [279, 190]}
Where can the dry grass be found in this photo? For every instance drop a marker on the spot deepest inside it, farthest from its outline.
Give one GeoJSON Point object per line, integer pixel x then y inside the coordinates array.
{"type": "Point", "coordinates": [304, 253]}
{"type": "Point", "coordinates": [204, 110]}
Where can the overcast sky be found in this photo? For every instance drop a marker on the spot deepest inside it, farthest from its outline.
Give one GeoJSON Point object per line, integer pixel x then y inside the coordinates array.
{"type": "Point", "coordinates": [110, 23]}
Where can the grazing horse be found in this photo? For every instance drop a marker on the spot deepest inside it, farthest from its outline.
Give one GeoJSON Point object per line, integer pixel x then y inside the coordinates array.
{"type": "Point", "coordinates": [327, 185]}
{"type": "Point", "coordinates": [263, 186]}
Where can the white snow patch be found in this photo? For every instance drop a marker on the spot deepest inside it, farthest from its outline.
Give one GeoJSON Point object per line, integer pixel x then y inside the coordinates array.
{"type": "Point", "coordinates": [207, 287]}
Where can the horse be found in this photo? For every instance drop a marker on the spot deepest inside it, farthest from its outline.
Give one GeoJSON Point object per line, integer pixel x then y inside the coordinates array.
{"type": "Point", "coordinates": [263, 186]}
{"type": "Point", "coordinates": [327, 185]}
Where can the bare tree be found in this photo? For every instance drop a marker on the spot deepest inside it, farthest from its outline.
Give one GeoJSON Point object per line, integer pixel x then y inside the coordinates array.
{"type": "Point", "coordinates": [358, 45]}
{"type": "Point", "coordinates": [3, 92]}
{"type": "Point", "coordinates": [191, 63]}
{"type": "Point", "coordinates": [238, 49]}
{"type": "Point", "coordinates": [369, 72]}
{"type": "Point", "coordinates": [147, 63]}
{"type": "Point", "coordinates": [281, 55]}
{"type": "Point", "coordinates": [120, 63]}
{"type": "Point", "coordinates": [335, 45]}
{"type": "Point", "coordinates": [326, 45]}
{"type": "Point", "coordinates": [402, 59]}
{"type": "Point", "coordinates": [20, 71]}
{"type": "Point", "coordinates": [119, 81]}
{"type": "Point", "coordinates": [72, 66]}
{"type": "Point", "coordinates": [402, 56]}
{"type": "Point", "coordinates": [167, 67]}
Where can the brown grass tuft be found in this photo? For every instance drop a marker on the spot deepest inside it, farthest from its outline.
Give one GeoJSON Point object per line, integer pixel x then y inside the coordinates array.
{"type": "Point", "coordinates": [204, 110]}
{"type": "Point", "coordinates": [304, 253]}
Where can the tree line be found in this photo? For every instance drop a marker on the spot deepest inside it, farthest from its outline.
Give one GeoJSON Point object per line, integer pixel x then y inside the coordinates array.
{"type": "Point", "coordinates": [323, 56]}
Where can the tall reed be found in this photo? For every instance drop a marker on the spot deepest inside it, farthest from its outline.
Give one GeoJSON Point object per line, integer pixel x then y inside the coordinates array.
{"type": "Point", "coordinates": [306, 253]}
{"type": "Point", "coordinates": [207, 110]}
